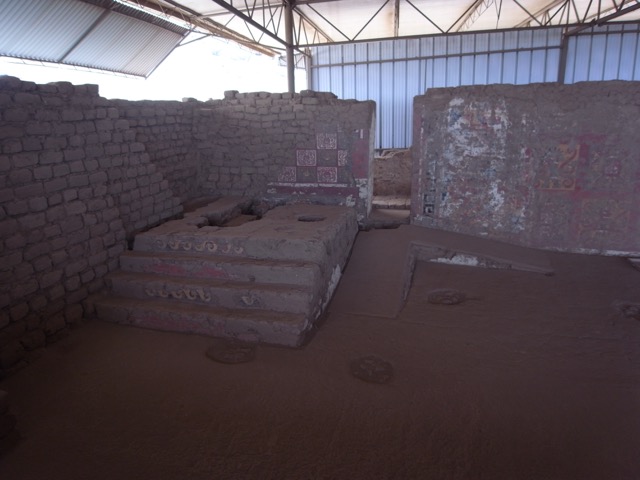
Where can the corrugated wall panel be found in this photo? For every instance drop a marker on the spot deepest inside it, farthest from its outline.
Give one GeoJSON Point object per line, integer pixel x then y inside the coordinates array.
{"type": "Point", "coordinates": [629, 50]}
{"type": "Point", "coordinates": [605, 53]}
{"type": "Point", "coordinates": [392, 72]}
{"type": "Point", "coordinates": [386, 100]}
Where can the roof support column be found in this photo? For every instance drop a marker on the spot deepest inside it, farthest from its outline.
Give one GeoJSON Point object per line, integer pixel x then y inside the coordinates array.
{"type": "Point", "coordinates": [288, 26]}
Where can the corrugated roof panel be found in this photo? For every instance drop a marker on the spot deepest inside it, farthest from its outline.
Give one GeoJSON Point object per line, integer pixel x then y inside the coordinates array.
{"type": "Point", "coordinates": [88, 33]}
{"type": "Point", "coordinates": [129, 41]}
{"type": "Point", "coordinates": [43, 29]}
{"type": "Point", "coordinates": [154, 52]}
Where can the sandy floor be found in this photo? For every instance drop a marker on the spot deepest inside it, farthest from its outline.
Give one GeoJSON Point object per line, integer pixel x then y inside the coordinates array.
{"type": "Point", "coordinates": [532, 377]}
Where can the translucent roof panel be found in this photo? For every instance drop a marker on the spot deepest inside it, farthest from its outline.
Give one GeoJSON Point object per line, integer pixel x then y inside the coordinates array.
{"type": "Point", "coordinates": [100, 34]}
{"type": "Point", "coordinates": [261, 22]}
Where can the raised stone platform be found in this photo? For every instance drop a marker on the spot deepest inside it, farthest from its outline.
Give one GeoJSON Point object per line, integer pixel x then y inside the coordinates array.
{"type": "Point", "coordinates": [221, 273]}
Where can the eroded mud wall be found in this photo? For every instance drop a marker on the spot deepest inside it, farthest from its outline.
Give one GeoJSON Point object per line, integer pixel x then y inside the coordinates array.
{"type": "Point", "coordinates": [74, 184]}
{"type": "Point", "coordinates": [545, 165]}
{"type": "Point", "coordinates": [80, 175]}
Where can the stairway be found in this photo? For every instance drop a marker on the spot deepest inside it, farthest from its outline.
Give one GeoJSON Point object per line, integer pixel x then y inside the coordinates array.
{"type": "Point", "coordinates": [263, 281]}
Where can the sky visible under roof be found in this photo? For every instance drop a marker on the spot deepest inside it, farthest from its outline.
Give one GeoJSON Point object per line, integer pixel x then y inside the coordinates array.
{"type": "Point", "coordinates": [203, 69]}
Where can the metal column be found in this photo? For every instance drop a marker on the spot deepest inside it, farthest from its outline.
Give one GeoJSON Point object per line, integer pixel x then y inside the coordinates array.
{"type": "Point", "coordinates": [288, 25]}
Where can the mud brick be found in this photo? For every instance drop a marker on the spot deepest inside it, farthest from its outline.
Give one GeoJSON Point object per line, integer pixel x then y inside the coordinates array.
{"type": "Point", "coordinates": [33, 339]}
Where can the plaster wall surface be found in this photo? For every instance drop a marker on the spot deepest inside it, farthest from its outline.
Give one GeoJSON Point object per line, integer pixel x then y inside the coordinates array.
{"type": "Point", "coordinates": [544, 165]}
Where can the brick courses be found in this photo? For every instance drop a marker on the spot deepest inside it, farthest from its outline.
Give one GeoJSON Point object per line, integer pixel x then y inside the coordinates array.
{"type": "Point", "coordinates": [80, 175]}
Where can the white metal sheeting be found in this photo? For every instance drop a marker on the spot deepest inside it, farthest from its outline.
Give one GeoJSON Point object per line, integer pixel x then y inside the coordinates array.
{"type": "Point", "coordinates": [334, 21]}
{"type": "Point", "coordinates": [86, 34]}
{"type": "Point", "coordinates": [393, 72]}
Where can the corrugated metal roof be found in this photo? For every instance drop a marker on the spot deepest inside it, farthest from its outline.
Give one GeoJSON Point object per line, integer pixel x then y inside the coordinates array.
{"type": "Point", "coordinates": [101, 34]}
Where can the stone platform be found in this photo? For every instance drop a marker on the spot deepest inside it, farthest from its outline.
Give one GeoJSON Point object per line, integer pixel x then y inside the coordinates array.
{"type": "Point", "coordinates": [223, 273]}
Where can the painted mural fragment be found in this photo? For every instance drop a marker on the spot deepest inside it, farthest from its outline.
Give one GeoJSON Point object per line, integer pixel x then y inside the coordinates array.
{"type": "Point", "coordinates": [327, 140]}
{"type": "Point", "coordinates": [559, 167]}
{"type": "Point", "coordinates": [306, 158]}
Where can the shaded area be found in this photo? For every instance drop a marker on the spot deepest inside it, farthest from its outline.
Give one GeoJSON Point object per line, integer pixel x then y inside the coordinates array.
{"type": "Point", "coordinates": [531, 377]}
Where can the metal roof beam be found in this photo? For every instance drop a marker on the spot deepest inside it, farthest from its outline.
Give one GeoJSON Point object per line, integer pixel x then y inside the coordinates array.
{"type": "Point", "coordinates": [177, 10]}
{"type": "Point", "coordinates": [471, 14]}
{"type": "Point", "coordinates": [601, 21]}
{"type": "Point", "coordinates": [371, 19]}
{"type": "Point", "coordinates": [312, 24]}
{"type": "Point", "coordinates": [396, 18]}
{"type": "Point", "coordinates": [308, 4]}
{"type": "Point", "coordinates": [425, 16]}
{"type": "Point", "coordinates": [250, 21]}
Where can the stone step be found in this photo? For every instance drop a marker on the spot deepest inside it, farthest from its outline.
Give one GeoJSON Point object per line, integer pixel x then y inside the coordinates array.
{"type": "Point", "coordinates": [215, 292]}
{"type": "Point", "coordinates": [277, 328]}
{"type": "Point", "coordinates": [222, 267]}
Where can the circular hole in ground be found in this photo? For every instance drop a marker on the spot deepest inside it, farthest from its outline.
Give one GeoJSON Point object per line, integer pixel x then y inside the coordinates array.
{"type": "Point", "coordinates": [446, 296]}
{"type": "Point", "coordinates": [631, 310]}
{"type": "Point", "coordinates": [311, 218]}
{"type": "Point", "coordinates": [371, 369]}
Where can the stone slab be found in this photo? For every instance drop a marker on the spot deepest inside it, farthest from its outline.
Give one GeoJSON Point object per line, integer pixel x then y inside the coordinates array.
{"type": "Point", "coordinates": [219, 293]}
{"type": "Point", "coordinates": [261, 326]}
{"type": "Point", "coordinates": [291, 232]}
{"type": "Point", "coordinates": [294, 272]}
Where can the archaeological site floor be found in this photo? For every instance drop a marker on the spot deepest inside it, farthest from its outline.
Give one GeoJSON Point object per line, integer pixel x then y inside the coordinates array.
{"type": "Point", "coordinates": [483, 373]}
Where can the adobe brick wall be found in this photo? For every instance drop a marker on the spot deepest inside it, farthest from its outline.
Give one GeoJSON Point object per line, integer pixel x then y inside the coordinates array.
{"type": "Point", "coordinates": [545, 165]}
{"type": "Point", "coordinates": [166, 129]}
{"type": "Point", "coordinates": [392, 174]}
{"type": "Point", "coordinates": [283, 147]}
{"type": "Point", "coordinates": [74, 184]}
{"type": "Point", "coordinates": [80, 175]}
{"type": "Point", "coordinates": [278, 147]}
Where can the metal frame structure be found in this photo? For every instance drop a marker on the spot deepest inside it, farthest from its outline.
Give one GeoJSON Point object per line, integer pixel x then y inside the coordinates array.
{"type": "Point", "coordinates": [289, 28]}
{"type": "Point", "coordinates": [274, 27]}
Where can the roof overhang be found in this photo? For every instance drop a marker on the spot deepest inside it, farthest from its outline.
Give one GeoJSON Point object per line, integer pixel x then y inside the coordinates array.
{"type": "Point", "coordinates": [101, 34]}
